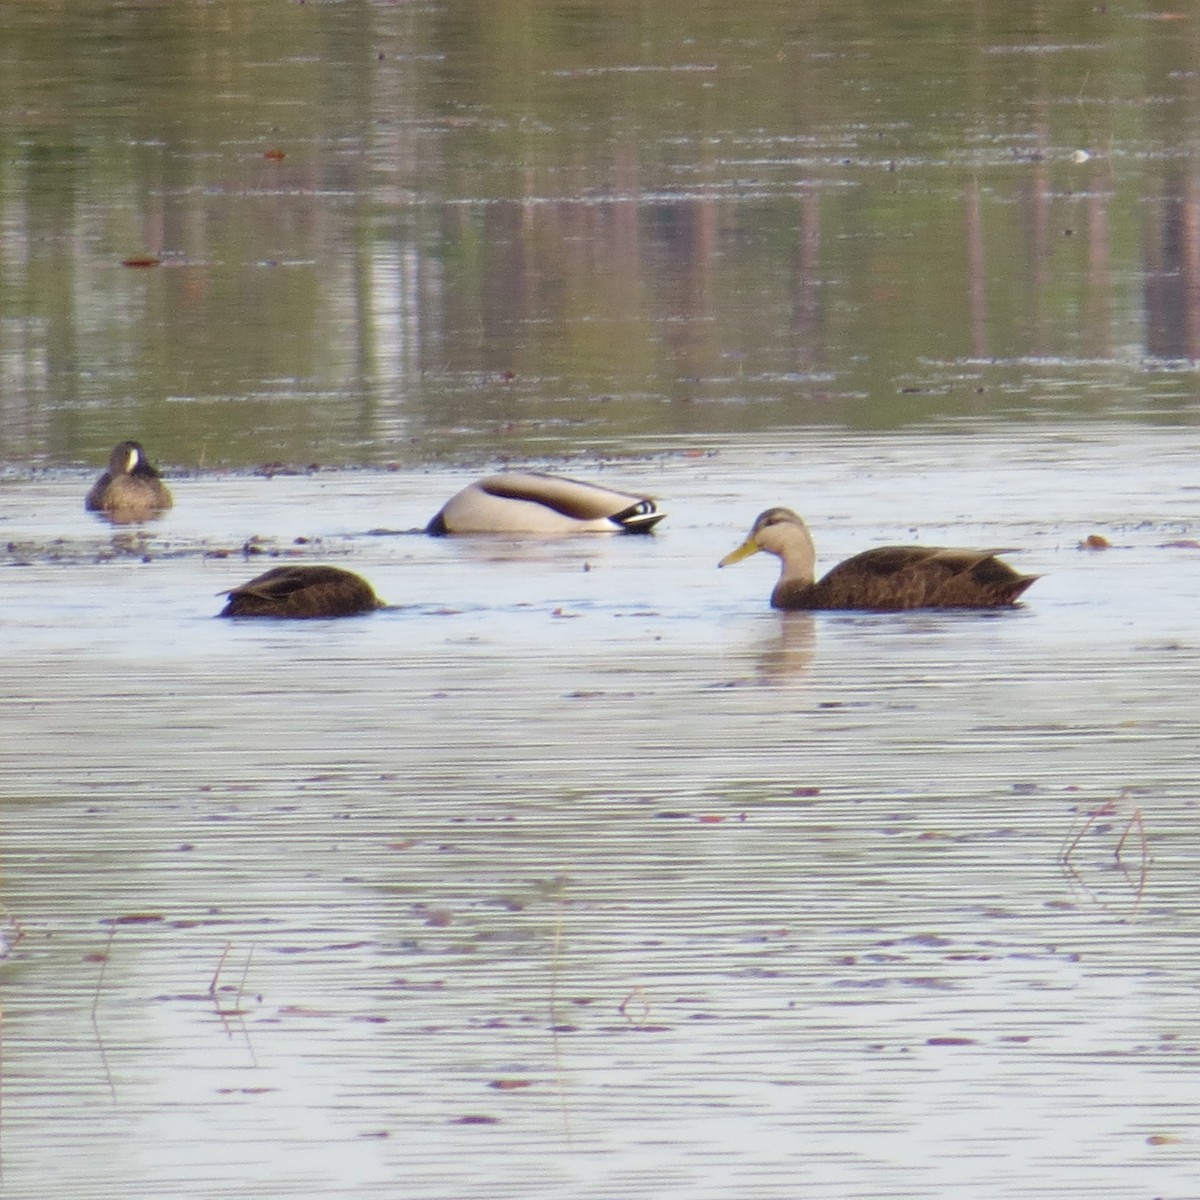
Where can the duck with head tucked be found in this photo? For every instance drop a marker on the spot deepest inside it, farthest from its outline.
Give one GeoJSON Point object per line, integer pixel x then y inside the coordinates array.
{"type": "Point", "coordinates": [887, 579]}
{"type": "Point", "coordinates": [301, 591]}
{"type": "Point", "coordinates": [530, 502]}
{"type": "Point", "coordinates": [131, 489]}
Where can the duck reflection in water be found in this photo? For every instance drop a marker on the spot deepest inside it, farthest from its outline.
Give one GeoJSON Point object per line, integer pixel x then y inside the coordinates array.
{"type": "Point", "coordinates": [788, 655]}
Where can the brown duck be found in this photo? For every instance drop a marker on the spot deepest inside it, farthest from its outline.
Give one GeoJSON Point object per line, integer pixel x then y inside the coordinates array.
{"type": "Point", "coordinates": [302, 592]}
{"type": "Point", "coordinates": [886, 580]}
{"type": "Point", "coordinates": [131, 489]}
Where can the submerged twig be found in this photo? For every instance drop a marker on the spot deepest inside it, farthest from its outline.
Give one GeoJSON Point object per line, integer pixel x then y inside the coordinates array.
{"type": "Point", "coordinates": [112, 933]}
{"type": "Point", "coordinates": [640, 993]}
{"type": "Point", "coordinates": [212, 987]}
{"type": "Point", "coordinates": [242, 982]}
{"type": "Point", "coordinates": [112, 1087]}
{"type": "Point", "coordinates": [1135, 823]}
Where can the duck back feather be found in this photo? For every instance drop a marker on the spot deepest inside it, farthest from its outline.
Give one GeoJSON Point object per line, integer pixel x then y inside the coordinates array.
{"type": "Point", "coordinates": [302, 592]}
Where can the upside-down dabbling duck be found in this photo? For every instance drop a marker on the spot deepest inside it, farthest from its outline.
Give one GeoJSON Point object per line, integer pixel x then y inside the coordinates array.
{"type": "Point", "coordinates": [887, 579]}
{"type": "Point", "coordinates": [302, 591]}
{"type": "Point", "coordinates": [531, 502]}
{"type": "Point", "coordinates": [131, 488]}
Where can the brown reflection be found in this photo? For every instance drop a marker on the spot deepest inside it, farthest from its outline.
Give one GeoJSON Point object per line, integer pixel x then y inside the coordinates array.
{"type": "Point", "coordinates": [788, 656]}
{"type": "Point", "coordinates": [130, 543]}
{"type": "Point", "coordinates": [435, 257]}
{"type": "Point", "coordinates": [806, 287]}
{"type": "Point", "coordinates": [1172, 271]}
{"type": "Point", "coordinates": [976, 268]}
{"type": "Point", "coordinates": [130, 516]}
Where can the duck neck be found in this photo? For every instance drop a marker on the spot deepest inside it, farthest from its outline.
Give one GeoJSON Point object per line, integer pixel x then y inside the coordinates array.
{"type": "Point", "coordinates": [797, 557]}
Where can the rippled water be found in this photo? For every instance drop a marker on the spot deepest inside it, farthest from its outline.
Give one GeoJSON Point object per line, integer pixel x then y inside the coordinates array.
{"type": "Point", "coordinates": [578, 871]}
{"type": "Point", "coordinates": [581, 872]}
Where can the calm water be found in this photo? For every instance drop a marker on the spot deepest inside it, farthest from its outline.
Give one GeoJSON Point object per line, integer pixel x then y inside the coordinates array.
{"type": "Point", "coordinates": [423, 232]}
{"type": "Point", "coordinates": [578, 871]}
{"type": "Point", "coordinates": [743, 898]}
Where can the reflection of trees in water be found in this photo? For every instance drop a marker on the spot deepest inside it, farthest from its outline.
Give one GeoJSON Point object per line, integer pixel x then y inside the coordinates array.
{"type": "Point", "coordinates": [1172, 270]}
{"type": "Point", "coordinates": [688, 235]}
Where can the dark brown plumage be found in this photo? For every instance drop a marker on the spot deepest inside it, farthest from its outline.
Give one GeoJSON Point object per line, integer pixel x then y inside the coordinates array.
{"type": "Point", "coordinates": [300, 591]}
{"type": "Point", "coordinates": [131, 489]}
{"type": "Point", "coordinates": [886, 580]}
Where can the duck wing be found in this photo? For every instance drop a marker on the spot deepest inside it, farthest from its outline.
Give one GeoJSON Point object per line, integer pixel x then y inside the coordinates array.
{"type": "Point", "coordinates": [900, 577]}
{"type": "Point", "coordinates": [301, 592]}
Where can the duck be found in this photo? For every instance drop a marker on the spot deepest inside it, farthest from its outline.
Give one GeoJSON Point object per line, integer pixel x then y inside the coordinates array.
{"type": "Point", "coordinates": [886, 579]}
{"type": "Point", "coordinates": [536, 503]}
{"type": "Point", "coordinates": [131, 489]}
{"type": "Point", "coordinates": [302, 591]}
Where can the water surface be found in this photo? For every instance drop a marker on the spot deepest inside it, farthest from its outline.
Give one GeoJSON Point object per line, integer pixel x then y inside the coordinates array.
{"type": "Point", "coordinates": [580, 870]}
